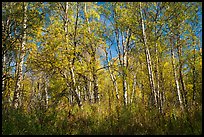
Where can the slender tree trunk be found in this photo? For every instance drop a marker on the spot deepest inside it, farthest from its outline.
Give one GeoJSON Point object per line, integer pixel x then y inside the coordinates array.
{"type": "Point", "coordinates": [125, 90]}
{"type": "Point", "coordinates": [90, 89]}
{"type": "Point", "coordinates": [125, 44]}
{"type": "Point", "coordinates": [176, 79]}
{"type": "Point", "coordinates": [148, 60]}
{"type": "Point", "coordinates": [66, 21]}
{"type": "Point", "coordinates": [74, 92]}
{"type": "Point", "coordinates": [194, 76]}
{"type": "Point", "coordinates": [85, 92]}
{"type": "Point", "coordinates": [124, 72]}
{"type": "Point", "coordinates": [32, 93]}
{"type": "Point", "coordinates": [157, 69]}
{"type": "Point", "coordinates": [39, 92]}
{"type": "Point", "coordinates": [159, 98]}
{"type": "Point", "coordinates": [119, 51]}
{"type": "Point", "coordinates": [95, 83]}
{"type": "Point", "coordinates": [112, 76]}
{"type": "Point", "coordinates": [93, 61]}
{"type": "Point", "coordinates": [4, 30]}
{"type": "Point", "coordinates": [133, 88]}
{"type": "Point", "coordinates": [162, 93]}
{"type": "Point", "coordinates": [4, 72]}
{"type": "Point", "coordinates": [75, 89]}
{"type": "Point", "coordinates": [73, 60]}
{"type": "Point", "coordinates": [122, 57]}
{"type": "Point", "coordinates": [46, 93]}
{"type": "Point", "coordinates": [74, 86]}
{"type": "Point", "coordinates": [16, 97]}
{"type": "Point", "coordinates": [179, 50]}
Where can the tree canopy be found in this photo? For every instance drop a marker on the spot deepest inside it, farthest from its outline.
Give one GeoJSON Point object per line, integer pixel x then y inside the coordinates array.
{"type": "Point", "coordinates": [101, 68]}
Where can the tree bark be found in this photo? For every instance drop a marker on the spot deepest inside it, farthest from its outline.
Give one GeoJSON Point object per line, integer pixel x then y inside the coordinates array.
{"type": "Point", "coordinates": [112, 76]}
{"type": "Point", "coordinates": [133, 88]}
{"type": "Point", "coordinates": [90, 89]}
{"type": "Point", "coordinates": [46, 92]}
{"type": "Point", "coordinates": [148, 59]}
{"type": "Point", "coordinates": [74, 86]}
{"type": "Point", "coordinates": [175, 77]}
{"type": "Point", "coordinates": [194, 76]}
{"type": "Point", "coordinates": [16, 97]}
{"type": "Point", "coordinates": [95, 82]}
{"type": "Point", "coordinates": [93, 61]}
{"type": "Point", "coordinates": [125, 44]}
{"type": "Point", "coordinates": [179, 51]}
{"type": "Point", "coordinates": [159, 99]}
{"type": "Point", "coordinates": [124, 72]}
{"type": "Point", "coordinates": [4, 72]}
{"type": "Point", "coordinates": [162, 93]}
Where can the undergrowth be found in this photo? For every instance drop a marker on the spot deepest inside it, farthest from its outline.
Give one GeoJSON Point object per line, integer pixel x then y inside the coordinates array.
{"type": "Point", "coordinates": [96, 120]}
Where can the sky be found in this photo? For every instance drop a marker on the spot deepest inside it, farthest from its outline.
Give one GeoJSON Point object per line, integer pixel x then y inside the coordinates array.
{"type": "Point", "coordinates": [199, 35]}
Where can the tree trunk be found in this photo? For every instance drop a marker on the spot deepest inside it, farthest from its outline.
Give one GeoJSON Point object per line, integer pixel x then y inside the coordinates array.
{"type": "Point", "coordinates": [133, 88]}
{"type": "Point", "coordinates": [4, 30]}
{"type": "Point", "coordinates": [16, 97]}
{"type": "Point", "coordinates": [179, 51]}
{"type": "Point", "coordinates": [93, 61]}
{"type": "Point", "coordinates": [176, 79]}
{"type": "Point", "coordinates": [75, 89]}
{"type": "Point", "coordinates": [122, 57]}
{"type": "Point", "coordinates": [32, 92]}
{"type": "Point", "coordinates": [46, 92]}
{"type": "Point", "coordinates": [112, 76]}
{"type": "Point", "coordinates": [66, 21]}
{"type": "Point", "coordinates": [95, 83]}
{"type": "Point", "coordinates": [4, 72]}
{"type": "Point", "coordinates": [74, 86]}
{"type": "Point", "coordinates": [124, 72]}
{"type": "Point", "coordinates": [159, 99]}
{"type": "Point", "coordinates": [148, 60]}
{"type": "Point", "coordinates": [125, 44]}
{"type": "Point", "coordinates": [162, 93]}
{"type": "Point", "coordinates": [194, 77]}
{"type": "Point", "coordinates": [90, 89]}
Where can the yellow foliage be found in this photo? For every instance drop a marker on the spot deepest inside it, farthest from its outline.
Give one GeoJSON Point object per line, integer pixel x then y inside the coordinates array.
{"type": "Point", "coordinates": [166, 64]}
{"type": "Point", "coordinates": [189, 86]}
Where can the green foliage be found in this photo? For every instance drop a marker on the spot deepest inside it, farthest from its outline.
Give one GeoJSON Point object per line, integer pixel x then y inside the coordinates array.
{"type": "Point", "coordinates": [64, 64]}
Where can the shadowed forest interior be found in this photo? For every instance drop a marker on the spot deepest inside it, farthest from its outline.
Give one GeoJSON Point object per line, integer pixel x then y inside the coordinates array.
{"type": "Point", "coordinates": [112, 68]}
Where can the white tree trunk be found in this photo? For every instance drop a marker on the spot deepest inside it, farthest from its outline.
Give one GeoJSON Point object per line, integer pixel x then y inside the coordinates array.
{"type": "Point", "coordinates": [159, 99]}
{"type": "Point", "coordinates": [74, 86]}
{"type": "Point", "coordinates": [46, 92]}
{"type": "Point", "coordinates": [112, 76]}
{"type": "Point", "coordinates": [16, 98]}
{"type": "Point", "coordinates": [125, 73]}
{"type": "Point", "coordinates": [179, 51]}
{"type": "Point", "coordinates": [175, 77]}
{"type": "Point", "coordinates": [93, 61]}
{"type": "Point", "coordinates": [133, 88]}
{"type": "Point", "coordinates": [148, 59]}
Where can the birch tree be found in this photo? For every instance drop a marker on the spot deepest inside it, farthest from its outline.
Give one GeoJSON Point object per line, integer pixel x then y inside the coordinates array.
{"type": "Point", "coordinates": [148, 58]}
{"type": "Point", "coordinates": [16, 97]}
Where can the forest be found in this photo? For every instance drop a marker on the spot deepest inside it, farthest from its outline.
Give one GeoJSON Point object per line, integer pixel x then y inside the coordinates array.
{"type": "Point", "coordinates": [101, 68]}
